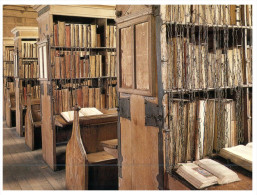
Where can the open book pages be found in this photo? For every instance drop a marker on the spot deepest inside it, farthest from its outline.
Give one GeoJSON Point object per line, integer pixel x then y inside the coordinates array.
{"type": "Point", "coordinates": [197, 176]}
{"type": "Point", "coordinates": [240, 155]}
{"type": "Point", "coordinates": [90, 111]}
{"type": "Point", "coordinates": [224, 174]}
{"type": "Point", "coordinates": [250, 145]}
{"type": "Point", "coordinates": [69, 115]}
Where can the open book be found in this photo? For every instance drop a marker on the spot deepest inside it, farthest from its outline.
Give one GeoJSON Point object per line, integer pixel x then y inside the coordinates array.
{"type": "Point", "coordinates": [224, 174]}
{"type": "Point", "coordinates": [69, 115]}
{"type": "Point", "coordinates": [206, 172]}
{"type": "Point", "coordinates": [240, 155]}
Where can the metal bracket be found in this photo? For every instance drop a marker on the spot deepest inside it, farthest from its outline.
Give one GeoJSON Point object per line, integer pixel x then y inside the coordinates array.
{"type": "Point", "coordinates": [41, 89]}
{"type": "Point", "coordinates": [152, 116]}
{"type": "Point", "coordinates": [49, 89]}
{"type": "Point", "coordinates": [124, 108]}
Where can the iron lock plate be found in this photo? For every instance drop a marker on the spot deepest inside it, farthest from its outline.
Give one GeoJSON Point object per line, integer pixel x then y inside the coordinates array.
{"type": "Point", "coordinates": [152, 116]}
{"type": "Point", "coordinates": [124, 108]}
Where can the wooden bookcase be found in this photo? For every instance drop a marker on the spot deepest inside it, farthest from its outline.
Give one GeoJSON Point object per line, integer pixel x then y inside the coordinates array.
{"type": "Point", "coordinates": [25, 62]}
{"type": "Point", "coordinates": [64, 58]}
{"type": "Point", "coordinates": [8, 79]}
{"type": "Point", "coordinates": [154, 128]}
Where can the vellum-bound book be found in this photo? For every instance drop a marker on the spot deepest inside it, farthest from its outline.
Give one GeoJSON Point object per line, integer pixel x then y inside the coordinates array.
{"type": "Point", "coordinates": [240, 155]}
{"type": "Point", "coordinates": [69, 115]}
{"type": "Point", "coordinates": [224, 174]}
{"type": "Point", "coordinates": [197, 176]}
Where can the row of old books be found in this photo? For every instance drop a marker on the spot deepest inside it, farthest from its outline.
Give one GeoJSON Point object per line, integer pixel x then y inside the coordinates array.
{"type": "Point", "coordinates": [201, 127]}
{"type": "Point", "coordinates": [8, 69]}
{"type": "Point", "coordinates": [80, 65]}
{"type": "Point", "coordinates": [239, 15]}
{"type": "Point", "coordinates": [29, 49]}
{"type": "Point", "coordinates": [193, 66]}
{"type": "Point", "coordinates": [84, 96]}
{"type": "Point", "coordinates": [83, 35]}
{"type": "Point", "coordinates": [110, 36]}
{"type": "Point", "coordinates": [9, 53]}
{"type": "Point", "coordinates": [29, 70]}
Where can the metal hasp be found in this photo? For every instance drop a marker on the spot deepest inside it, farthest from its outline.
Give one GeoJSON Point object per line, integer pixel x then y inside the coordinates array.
{"type": "Point", "coordinates": [49, 89]}
{"type": "Point", "coordinates": [152, 116]}
{"type": "Point", "coordinates": [124, 108]}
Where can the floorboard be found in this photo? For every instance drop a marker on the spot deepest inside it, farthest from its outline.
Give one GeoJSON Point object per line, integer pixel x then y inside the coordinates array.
{"type": "Point", "coordinates": [24, 169]}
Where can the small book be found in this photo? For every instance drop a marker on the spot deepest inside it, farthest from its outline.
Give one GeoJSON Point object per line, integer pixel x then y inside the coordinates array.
{"type": "Point", "coordinates": [69, 115]}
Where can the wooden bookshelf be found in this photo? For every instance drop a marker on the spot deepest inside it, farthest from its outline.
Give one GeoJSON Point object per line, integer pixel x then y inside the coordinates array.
{"type": "Point", "coordinates": [25, 71]}
{"type": "Point", "coordinates": [219, 97]}
{"type": "Point", "coordinates": [72, 39]}
{"type": "Point", "coordinates": [8, 79]}
{"type": "Point", "coordinates": [164, 128]}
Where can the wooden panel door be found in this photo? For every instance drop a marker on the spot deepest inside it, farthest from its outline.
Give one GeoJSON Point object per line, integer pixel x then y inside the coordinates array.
{"type": "Point", "coordinates": [139, 151]}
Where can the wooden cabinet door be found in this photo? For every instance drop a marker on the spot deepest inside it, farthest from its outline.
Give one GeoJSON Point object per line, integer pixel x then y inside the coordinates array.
{"type": "Point", "coordinates": [136, 61]}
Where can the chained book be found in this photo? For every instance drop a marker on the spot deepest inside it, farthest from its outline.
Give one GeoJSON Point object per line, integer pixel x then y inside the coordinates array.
{"type": "Point", "coordinates": [206, 172]}
{"type": "Point", "coordinates": [240, 155]}
{"type": "Point", "coordinates": [69, 115]}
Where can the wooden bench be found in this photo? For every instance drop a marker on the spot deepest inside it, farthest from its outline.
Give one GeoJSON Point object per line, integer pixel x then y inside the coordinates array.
{"type": "Point", "coordinates": [33, 123]}
{"type": "Point", "coordinates": [10, 108]}
{"type": "Point", "coordinates": [88, 166]}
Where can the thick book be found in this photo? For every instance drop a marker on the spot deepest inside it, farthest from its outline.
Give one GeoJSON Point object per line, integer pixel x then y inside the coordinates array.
{"type": "Point", "coordinates": [91, 111]}
{"type": "Point", "coordinates": [67, 35]}
{"type": "Point", "coordinates": [224, 174]}
{"type": "Point", "coordinates": [240, 155]}
{"type": "Point", "coordinates": [197, 176]}
{"type": "Point", "coordinates": [56, 41]}
{"type": "Point", "coordinates": [93, 35]}
{"type": "Point", "coordinates": [61, 33]}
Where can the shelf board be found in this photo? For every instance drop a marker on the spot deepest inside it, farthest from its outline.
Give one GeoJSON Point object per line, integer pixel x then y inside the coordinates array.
{"type": "Point", "coordinates": [8, 61]}
{"type": "Point", "coordinates": [177, 91]}
{"type": "Point", "coordinates": [211, 25]}
{"type": "Point", "coordinates": [84, 78]}
{"type": "Point", "coordinates": [82, 48]}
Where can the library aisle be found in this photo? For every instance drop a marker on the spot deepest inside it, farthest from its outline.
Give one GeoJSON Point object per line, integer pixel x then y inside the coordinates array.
{"type": "Point", "coordinates": [24, 169]}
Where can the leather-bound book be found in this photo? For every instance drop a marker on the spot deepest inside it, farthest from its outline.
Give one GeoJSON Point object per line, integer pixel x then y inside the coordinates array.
{"type": "Point", "coordinates": [73, 71]}
{"type": "Point", "coordinates": [86, 66]}
{"type": "Point", "coordinates": [91, 94]}
{"type": "Point", "coordinates": [67, 61]}
{"type": "Point", "coordinates": [63, 71]}
{"type": "Point", "coordinates": [93, 35]}
{"type": "Point", "coordinates": [67, 35]}
{"type": "Point", "coordinates": [97, 98]}
{"type": "Point", "coordinates": [57, 67]}
{"type": "Point", "coordinates": [79, 97]}
{"type": "Point", "coordinates": [82, 68]}
{"type": "Point", "coordinates": [61, 33]}
{"type": "Point", "coordinates": [85, 96]}
{"type": "Point", "coordinates": [72, 33]}
{"type": "Point", "coordinates": [92, 60]}
{"type": "Point", "coordinates": [77, 61]}
{"type": "Point", "coordinates": [107, 38]}
{"type": "Point", "coordinates": [56, 40]}
{"type": "Point", "coordinates": [110, 97]}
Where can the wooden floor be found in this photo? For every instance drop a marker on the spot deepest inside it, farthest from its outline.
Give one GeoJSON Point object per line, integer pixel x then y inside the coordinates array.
{"type": "Point", "coordinates": [24, 169]}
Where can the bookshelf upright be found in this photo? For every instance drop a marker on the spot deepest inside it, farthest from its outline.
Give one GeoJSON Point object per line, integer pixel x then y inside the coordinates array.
{"type": "Point", "coordinates": [25, 70]}
{"type": "Point", "coordinates": [77, 66]}
{"type": "Point", "coordinates": [8, 80]}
